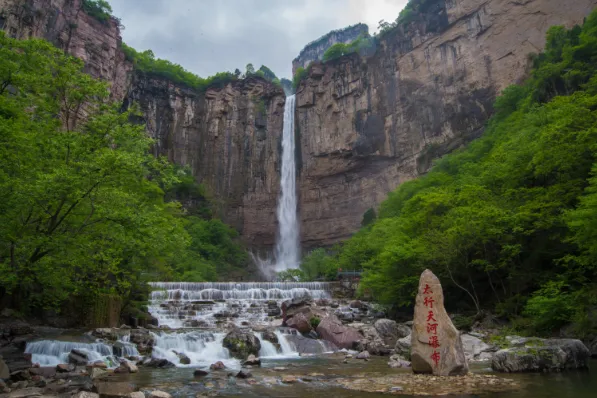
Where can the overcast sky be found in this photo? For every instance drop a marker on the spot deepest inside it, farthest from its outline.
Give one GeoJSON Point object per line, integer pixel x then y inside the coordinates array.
{"type": "Point", "coordinates": [209, 36]}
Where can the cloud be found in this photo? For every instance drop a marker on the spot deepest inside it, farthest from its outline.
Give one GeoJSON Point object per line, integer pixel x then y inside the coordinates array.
{"type": "Point", "coordinates": [209, 36]}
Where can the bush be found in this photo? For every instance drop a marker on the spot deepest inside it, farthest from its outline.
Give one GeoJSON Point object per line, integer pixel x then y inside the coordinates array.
{"type": "Point", "coordinates": [98, 9]}
{"type": "Point", "coordinates": [314, 321]}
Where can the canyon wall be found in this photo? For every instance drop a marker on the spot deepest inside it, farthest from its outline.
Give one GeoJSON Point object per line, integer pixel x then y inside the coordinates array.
{"type": "Point", "coordinates": [230, 136]}
{"type": "Point", "coordinates": [314, 51]}
{"type": "Point", "coordinates": [368, 124]}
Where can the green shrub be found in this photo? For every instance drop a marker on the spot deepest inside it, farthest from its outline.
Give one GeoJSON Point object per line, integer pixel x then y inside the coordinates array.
{"type": "Point", "coordinates": [98, 9]}
{"type": "Point", "coordinates": [314, 321]}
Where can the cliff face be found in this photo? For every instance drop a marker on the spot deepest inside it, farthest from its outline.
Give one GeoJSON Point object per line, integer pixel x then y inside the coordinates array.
{"type": "Point", "coordinates": [314, 51]}
{"type": "Point", "coordinates": [229, 136]}
{"type": "Point", "coordinates": [367, 125]}
{"type": "Point", "coordinates": [63, 23]}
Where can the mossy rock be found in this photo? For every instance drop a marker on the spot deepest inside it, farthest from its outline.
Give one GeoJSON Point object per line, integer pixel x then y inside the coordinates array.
{"type": "Point", "coordinates": [242, 343]}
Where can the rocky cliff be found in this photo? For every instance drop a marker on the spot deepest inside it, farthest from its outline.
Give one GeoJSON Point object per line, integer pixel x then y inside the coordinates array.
{"type": "Point", "coordinates": [314, 51]}
{"type": "Point", "coordinates": [368, 124]}
{"type": "Point", "coordinates": [230, 136]}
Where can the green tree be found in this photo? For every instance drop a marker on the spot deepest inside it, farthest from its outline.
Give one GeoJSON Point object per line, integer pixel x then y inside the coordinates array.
{"type": "Point", "coordinates": [250, 69]}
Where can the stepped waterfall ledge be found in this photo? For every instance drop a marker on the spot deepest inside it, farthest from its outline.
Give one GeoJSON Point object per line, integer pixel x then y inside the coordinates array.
{"type": "Point", "coordinates": [287, 246]}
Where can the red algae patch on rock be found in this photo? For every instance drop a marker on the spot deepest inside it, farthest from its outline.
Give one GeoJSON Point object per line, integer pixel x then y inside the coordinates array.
{"type": "Point", "coordinates": [423, 384]}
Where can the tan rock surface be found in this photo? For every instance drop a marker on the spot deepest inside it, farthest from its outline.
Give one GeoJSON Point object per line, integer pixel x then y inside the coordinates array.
{"type": "Point", "coordinates": [436, 344]}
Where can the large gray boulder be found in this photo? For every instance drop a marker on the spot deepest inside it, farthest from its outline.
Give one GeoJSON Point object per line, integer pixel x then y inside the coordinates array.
{"type": "Point", "coordinates": [299, 322]}
{"type": "Point", "coordinates": [331, 329]}
{"type": "Point", "coordinates": [403, 347]}
{"type": "Point", "coordinates": [242, 343]}
{"type": "Point", "coordinates": [436, 344]}
{"type": "Point", "coordinates": [538, 355]}
{"type": "Point", "coordinates": [388, 331]}
{"type": "Point", "coordinates": [476, 349]}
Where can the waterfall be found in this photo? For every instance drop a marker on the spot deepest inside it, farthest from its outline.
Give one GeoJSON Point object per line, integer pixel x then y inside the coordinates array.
{"type": "Point", "coordinates": [202, 348]}
{"type": "Point", "coordinates": [207, 304]}
{"type": "Point", "coordinates": [287, 246]}
{"type": "Point", "coordinates": [54, 352]}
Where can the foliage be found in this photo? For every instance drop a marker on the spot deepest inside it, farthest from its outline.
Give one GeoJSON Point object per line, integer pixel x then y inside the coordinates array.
{"type": "Point", "coordinates": [363, 42]}
{"type": "Point", "coordinates": [318, 265]}
{"type": "Point", "coordinates": [509, 222]}
{"type": "Point", "coordinates": [85, 211]}
{"type": "Point", "coordinates": [291, 275]}
{"type": "Point", "coordinates": [314, 322]}
{"type": "Point", "coordinates": [98, 9]}
{"type": "Point", "coordinates": [369, 217]}
{"type": "Point", "coordinates": [146, 62]}
{"type": "Point", "coordinates": [360, 26]}
{"type": "Point", "coordinates": [300, 74]}
{"type": "Point", "coordinates": [413, 10]}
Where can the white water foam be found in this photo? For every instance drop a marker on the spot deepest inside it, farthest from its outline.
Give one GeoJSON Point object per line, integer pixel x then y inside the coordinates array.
{"type": "Point", "coordinates": [54, 352]}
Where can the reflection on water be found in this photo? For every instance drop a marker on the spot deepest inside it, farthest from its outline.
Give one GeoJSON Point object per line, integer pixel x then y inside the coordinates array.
{"type": "Point", "coordinates": [180, 382]}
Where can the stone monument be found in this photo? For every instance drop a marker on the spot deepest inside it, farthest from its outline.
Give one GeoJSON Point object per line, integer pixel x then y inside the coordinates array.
{"type": "Point", "coordinates": [436, 344]}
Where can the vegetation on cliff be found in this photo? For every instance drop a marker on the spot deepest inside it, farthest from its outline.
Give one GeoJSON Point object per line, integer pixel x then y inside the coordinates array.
{"type": "Point", "coordinates": [98, 9]}
{"type": "Point", "coordinates": [85, 210]}
{"type": "Point", "coordinates": [509, 223]}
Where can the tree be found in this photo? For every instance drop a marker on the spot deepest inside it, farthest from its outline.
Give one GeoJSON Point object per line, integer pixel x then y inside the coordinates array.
{"type": "Point", "coordinates": [250, 69]}
{"type": "Point", "coordinates": [237, 73]}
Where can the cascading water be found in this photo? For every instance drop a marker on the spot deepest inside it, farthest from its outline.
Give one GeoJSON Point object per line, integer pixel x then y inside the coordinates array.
{"type": "Point", "coordinates": [54, 352]}
{"type": "Point", "coordinates": [287, 246]}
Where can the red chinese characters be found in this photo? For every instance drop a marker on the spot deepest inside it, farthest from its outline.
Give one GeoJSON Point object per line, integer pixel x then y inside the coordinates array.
{"type": "Point", "coordinates": [431, 324]}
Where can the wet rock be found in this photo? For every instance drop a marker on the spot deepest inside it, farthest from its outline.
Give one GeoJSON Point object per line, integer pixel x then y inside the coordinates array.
{"type": "Point", "coordinates": [46, 371]}
{"type": "Point", "coordinates": [143, 339]}
{"type": "Point", "coordinates": [331, 329]}
{"type": "Point", "coordinates": [106, 333]}
{"type": "Point", "coordinates": [396, 362]}
{"type": "Point", "coordinates": [436, 344]}
{"type": "Point", "coordinates": [64, 368]}
{"type": "Point", "coordinates": [87, 394]}
{"type": "Point", "coordinates": [159, 394]}
{"type": "Point", "coordinates": [77, 357]}
{"type": "Point", "coordinates": [289, 379]}
{"type": "Point", "coordinates": [26, 392]}
{"type": "Point", "coordinates": [538, 355]}
{"type": "Point", "coordinates": [334, 304]}
{"type": "Point", "coordinates": [129, 366]}
{"type": "Point", "coordinates": [159, 363]}
{"type": "Point", "coordinates": [95, 373]}
{"type": "Point", "coordinates": [20, 375]}
{"type": "Point", "coordinates": [4, 371]}
{"type": "Point", "coordinates": [217, 366]}
{"type": "Point", "coordinates": [270, 336]}
{"type": "Point", "coordinates": [136, 394]}
{"type": "Point", "coordinates": [118, 349]}
{"type": "Point", "coordinates": [242, 343]}
{"type": "Point", "coordinates": [357, 304]}
{"type": "Point", "coordinates": [476, 349]}
{"type": "Point", "coordinates": [113, 389]}
{"type": "Point", "coordinates": [593, 348]}
{"type": "Point", "coordinates": [200, 372]}
{"type": "Point", "coordinates": [294, 306]}
{"type": "Point", "coordinates": [184, 359]}
{"type": "Point", "coordinates": [244, 374]}
{"type": "Point", "coordinates": [300, 323]}
{"type": "Point", "coordinates": [363, 355]}
{"type": "Point", "coordinates": [252, 360]}
{"type": "Point", "coordinates": [388, 331]}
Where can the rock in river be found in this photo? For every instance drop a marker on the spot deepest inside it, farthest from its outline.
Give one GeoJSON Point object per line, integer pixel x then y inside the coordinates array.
{"type": "Point", "coordinates": [538, 355]}
{"type": "Point", "coordinates": [436, 344]}
{"type": "Point", "coordinates": [242, 343]}
{"type": "Point", "coordinates": [331, 329]}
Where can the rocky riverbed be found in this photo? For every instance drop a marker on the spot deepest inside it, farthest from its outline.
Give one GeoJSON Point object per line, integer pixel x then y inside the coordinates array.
{"type": "Point", "coordinates": [260, 346]}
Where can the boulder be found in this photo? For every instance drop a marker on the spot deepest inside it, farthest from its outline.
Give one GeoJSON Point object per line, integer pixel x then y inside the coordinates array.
{"type": "Point", "coordinates": [242, 343]}
{"type": "Point", "coordinates": [387, 330]}
{"type": "Point", "coordinates": [294, 305]}
{"type": "Point", "coordinates": [159, 394]}
{"type": "Point", "coordinates": [300, 323]}
{"type": "Point", "coordinates": [538, 355]}
{"type": "Point", "coordinates": [331, 329]}
{"type": "Point", "coordinates": [289, 379]}
{"type": "Point", "coordinates": [114, 389]}
{"type": "Point", "coordinates": [305, 345]}
{"type": "Point", "coordinates": [136, 394]}
{"type": "Point", "coordinates": [95, 373]}
{"type": "Point", "coordinates": [270, 336]}
{"type": "Point", "coordinates": [200, 373]}
{"type": "Point", "coordinates": [65, 368]}
{"type": "Point", "coordinates": [436, 344]}
{"type": "Point", "coordinates": [217, 366]}
{"type": "Point", "coordinates": [118, 349]}
{"type": "Point", "coordinates": [363, 355]}
{"type": "Point", "coordinates": [476, 349]}
{"type": "Point", "coordinates": [357, 304]}
{"type": "Point", "coordinates": [77, 357]}
{"type": "Point", "coordinates": [4, 371]}
{"type": "Point", "coordinates": [397, 361]}
{"type": "Point", "coordinates": [87, 394]}
{"type": "Point", "coordinates": [252, 360]}
{"type": "Point", "coordinates": [184, 359]}
{"type": "Point", "coordinates": [244, 374]}
{"type": "Point", "coordinates": [129, 366]}
{"type": "Point", "coordinates": [45, 371]}
{"type": "Point", "coordinates": [26, 392]}
{"type": "Point", "coordinates": [159, 363]}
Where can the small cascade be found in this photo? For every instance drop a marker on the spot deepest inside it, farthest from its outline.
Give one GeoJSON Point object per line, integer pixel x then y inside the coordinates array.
{"type": "Point", "coordinates": [201, 348]}
{"type": "Point", "coordinates": [299, 343]}
{"type": "Point", "coordinates": [54, 352]}
{"type": "Point", "coordinates": [206, 304]}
